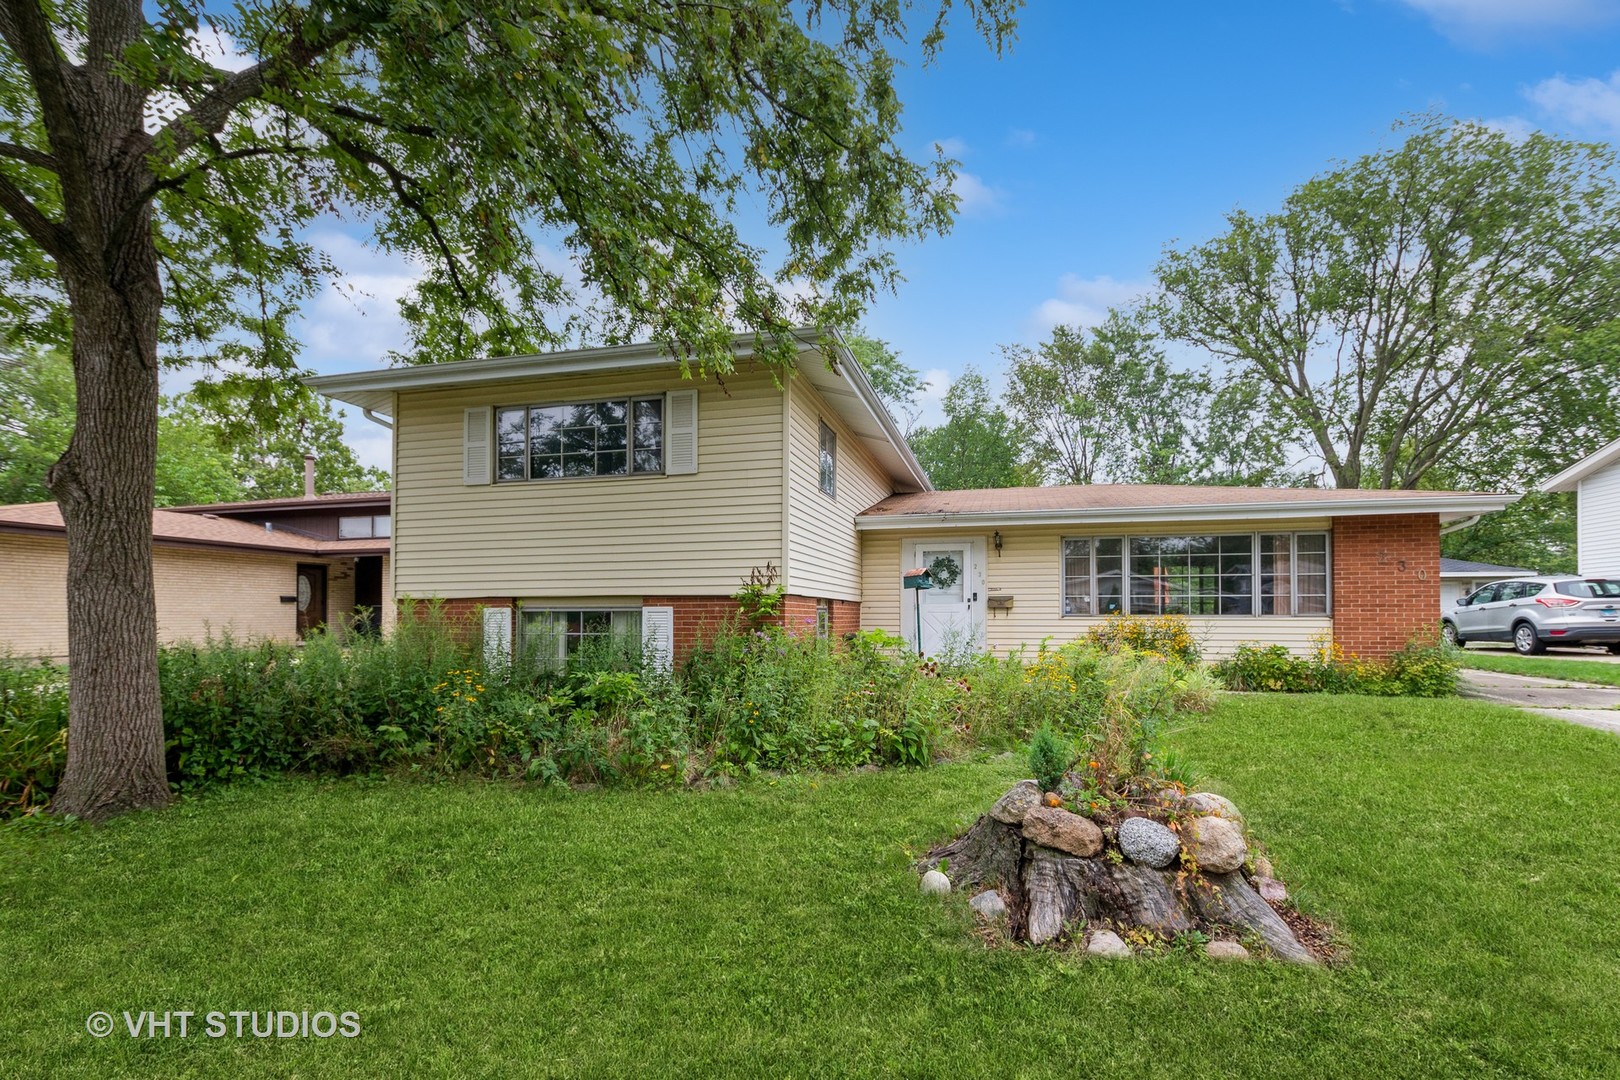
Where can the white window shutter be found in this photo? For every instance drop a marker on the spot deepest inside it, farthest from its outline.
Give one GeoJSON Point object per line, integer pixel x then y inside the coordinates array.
{"type": "Point", "coordinates": [476, 452]}
{"type": "Point", "coordinates": [497, 636]}
{"type": "Point", "coordinates": [658, 638]}
{"type": "Point", "coordinates": [680, 432]}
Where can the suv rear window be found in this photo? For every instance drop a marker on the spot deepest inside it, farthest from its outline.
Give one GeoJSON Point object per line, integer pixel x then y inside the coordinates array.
{"type": "Point", "coordinates": [1592, 587]}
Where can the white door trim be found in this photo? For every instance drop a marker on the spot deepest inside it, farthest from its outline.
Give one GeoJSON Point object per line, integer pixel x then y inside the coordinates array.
{"type": "Point", "coordinates": [973, 587]}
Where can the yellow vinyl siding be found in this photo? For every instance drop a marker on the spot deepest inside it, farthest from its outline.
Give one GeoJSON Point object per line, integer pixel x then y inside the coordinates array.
{"type": "Point", "coordinates": [1030, 568]}
{"type": "Point", "coordinates": [824, 551]}
{"type": "Point", "coordinates": [200, 593]}
{"type": "Point", "coordinates": [689, 535]}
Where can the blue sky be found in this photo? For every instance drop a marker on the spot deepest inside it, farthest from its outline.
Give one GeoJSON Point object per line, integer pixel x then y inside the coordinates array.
{"type": "Point", "coordinates": [1112, 129]}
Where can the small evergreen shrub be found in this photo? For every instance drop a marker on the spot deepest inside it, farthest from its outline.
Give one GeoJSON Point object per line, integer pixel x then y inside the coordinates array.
{"type": "Point", "coordinates": [1048, 759]}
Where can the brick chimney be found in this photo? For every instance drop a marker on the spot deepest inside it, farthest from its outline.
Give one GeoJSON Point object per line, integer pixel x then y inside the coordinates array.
{"type": "Point", "coordinates": [309, 476]}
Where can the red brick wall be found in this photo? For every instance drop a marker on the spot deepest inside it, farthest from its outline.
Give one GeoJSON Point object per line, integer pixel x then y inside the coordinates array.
{"type": "Point", "coordinates": [1386, 581]}
{"type": "Point", "coordinates": [462, 614]}
{"type": "Point", "coordinates": [697, 618]}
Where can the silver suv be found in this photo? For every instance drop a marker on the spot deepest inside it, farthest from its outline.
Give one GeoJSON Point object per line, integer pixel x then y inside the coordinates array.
{"type": "Point", "coordinates": [1536, 612]}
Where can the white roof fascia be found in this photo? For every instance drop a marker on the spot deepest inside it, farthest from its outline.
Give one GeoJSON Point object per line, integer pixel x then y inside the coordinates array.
{"type": "Point", "coordinates": [1571, 477]}
{"type": "Point", "coordinates": [1456, 506]}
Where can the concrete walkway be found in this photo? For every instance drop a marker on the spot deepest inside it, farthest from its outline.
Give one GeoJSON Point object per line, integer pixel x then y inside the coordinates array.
{"type": "Point", "coordinates": [1578, 703]}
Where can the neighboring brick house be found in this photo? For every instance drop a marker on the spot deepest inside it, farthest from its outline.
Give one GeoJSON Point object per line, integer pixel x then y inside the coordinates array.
{"type": "Point", "coordinates": [597, 494]}
{"type": "Point", "coordinates": [268, 569]}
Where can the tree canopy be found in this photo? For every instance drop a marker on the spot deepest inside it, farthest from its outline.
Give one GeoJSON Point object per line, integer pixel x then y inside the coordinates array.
{"type": "Point", "coordinates": [1448, 302]}
{"type": "Point", "coordinates": [160, 166]}
{"type": "Point", "coordinates": [978, 446]}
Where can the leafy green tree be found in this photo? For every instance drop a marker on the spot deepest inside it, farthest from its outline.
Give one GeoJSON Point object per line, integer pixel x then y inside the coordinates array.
{"type": "Point", "coordinates": [1449, 301]}
{"type": "Point", "coordinates": [895, 383]}
{"type": "Point", "coordinates": [266, 426]}
{"type": "Point", "coordinates": [154, 194]}
{"type": "Point", "coordinates": [1105, 405]}
{"type": "Point", "coordinates": [1537, 533]}
{"type": "Point", "coordinates": [238, 439]}
{"type": "Point", "coordinates": [978, 445]}
{"type": "Point", "coordinates": [37, 388]}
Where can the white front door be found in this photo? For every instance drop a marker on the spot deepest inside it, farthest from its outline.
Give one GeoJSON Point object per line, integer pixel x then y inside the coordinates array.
{"type": "Point", "coordinates": [947, 616]}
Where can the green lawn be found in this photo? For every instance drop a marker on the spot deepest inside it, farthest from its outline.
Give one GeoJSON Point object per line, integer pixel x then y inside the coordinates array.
{"type": "Point", "coordinates": [1466, 852]}
{"type": "Point", "coordinates": [1568, 668]}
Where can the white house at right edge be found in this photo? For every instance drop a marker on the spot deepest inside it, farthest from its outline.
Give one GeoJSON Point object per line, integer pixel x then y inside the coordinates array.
{"type": "Point", "coordinates": [1596, 483]}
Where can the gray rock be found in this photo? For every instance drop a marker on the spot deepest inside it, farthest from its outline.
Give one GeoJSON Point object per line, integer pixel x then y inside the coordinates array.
{"type": "Point", "coordinates": [1056, 828]}
{"type": "Point", "coordinates": [1215, 844]}
{"type": "Point", "coordinates": [935, 883]}
{"type": "Point", "coordinates": [1225, 950]}
{"type": "Point", "coordinates": [1011, 807]}
{"type": "Point", "coordinates": [1270, 889]}
{"type": "Point", "coordinates": [1145, 841]}
{"type": "Point", "coordinates": [1107, 943]}
{"type": "Point", "coordinates": [989, 904]}
{"type": "Point", "coordinates": [1207, 802]}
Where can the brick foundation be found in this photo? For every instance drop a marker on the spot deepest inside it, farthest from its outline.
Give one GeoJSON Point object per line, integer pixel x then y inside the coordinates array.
{"type": "Point", "coordinates": [1386, 581]}
{"type": "Point", "coordinates": [697, 618]}
{"type": "Point", "coordinates": [466, 625]}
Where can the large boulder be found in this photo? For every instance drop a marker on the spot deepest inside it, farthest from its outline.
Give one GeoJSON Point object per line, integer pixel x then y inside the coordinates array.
{"type": "Point", "coordinates": [1215, 844]}
{"type": "Point", "coordinates": [1056, 828]}
{"type": "Point", "coordinates": [1145, 841]}
{"type": "Point", "coordinates": [1207, 802]}
{"type": "Point", "coordinates": [1011, 807]}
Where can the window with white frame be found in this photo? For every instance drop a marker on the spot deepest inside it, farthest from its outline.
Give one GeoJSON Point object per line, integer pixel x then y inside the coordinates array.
{"type": "Point", "coordinates": [829, 460]}
{"type": "Point", "coordinates": [364, 527]}
{"type": "Point", "coordinates": [610, 637]}
{"type": "Point", "coordinates": [1214, 574]}
{"type": "Point", "coordinates": [618, 437]}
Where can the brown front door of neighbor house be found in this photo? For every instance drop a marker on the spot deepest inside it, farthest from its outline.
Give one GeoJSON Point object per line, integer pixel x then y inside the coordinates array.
{"type": "Point", "coordinates": [311, 598]}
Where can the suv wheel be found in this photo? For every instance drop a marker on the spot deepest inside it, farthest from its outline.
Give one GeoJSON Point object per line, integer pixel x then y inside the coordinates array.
{"type": "Point", "coordinates": [1448, 634]}
{"type": "Point", "coordinates": [1525, 641]}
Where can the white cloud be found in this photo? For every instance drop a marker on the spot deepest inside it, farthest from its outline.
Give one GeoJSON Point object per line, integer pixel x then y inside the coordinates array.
{"type": "Point", "coordinates": [355, 320]}
{"type": "Point", "coordinates": [974, 197]}
{"type": "Point", "coordinates": [1591, 104]}
{"type": "Point", "coordinates": [217, 47]}
{"type": "Point", "coordinates": [931, 398]}
{"type": "Point", "coordinates": [1085, 301]}
{"type": "Point", "coordinates": [1479, 22]}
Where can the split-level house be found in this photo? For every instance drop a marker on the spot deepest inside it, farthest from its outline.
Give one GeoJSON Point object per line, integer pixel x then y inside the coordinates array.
{"type": "Point", "coordinates": [596, 493]}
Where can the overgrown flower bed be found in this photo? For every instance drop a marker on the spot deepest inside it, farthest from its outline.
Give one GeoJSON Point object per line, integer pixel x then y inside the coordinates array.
{"type": "Point", "coordinates": [421, 702]}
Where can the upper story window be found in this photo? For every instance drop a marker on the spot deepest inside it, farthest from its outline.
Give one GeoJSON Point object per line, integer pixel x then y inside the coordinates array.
{"type": "Point", "coordinates": [829, 460]}
{"type": "Point", "coordinates": [365, 527]}
{"type": "Point", "coordinates": [619, 437]}
{"type": "Point", "coordinates": [1233, 574]}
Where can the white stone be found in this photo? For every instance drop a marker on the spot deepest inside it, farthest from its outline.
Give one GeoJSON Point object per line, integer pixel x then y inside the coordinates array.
{"type": "Point", "coordinates": [989, 904]}
{"type": "Point", "coordinates": [935, 883]}
{"type": "Point", "coordinates": [1207, 802]}
{"type": "Point", "coordinates": [1225, 950]}
{"type": "Point", "coordinates": [1107, 943]}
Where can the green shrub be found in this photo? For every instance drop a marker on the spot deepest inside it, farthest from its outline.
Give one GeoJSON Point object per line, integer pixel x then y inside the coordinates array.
{"type": "Point", "coordinates": [33, 733]}
{"type": "Point", "coordinates": [1048, 759]}
{"type": "Point", "coordinates": [1166, 635]}
{"type": "Point", "coordinates": [1421, 669]}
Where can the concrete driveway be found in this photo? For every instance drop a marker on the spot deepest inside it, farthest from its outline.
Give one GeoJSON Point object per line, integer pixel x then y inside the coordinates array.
{"type": "Point", "coordinates": [1579, 703]}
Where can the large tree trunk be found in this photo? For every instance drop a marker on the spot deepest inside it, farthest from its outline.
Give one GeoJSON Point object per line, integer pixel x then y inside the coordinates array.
{"type": "Point", "coordinates": [104, 482]}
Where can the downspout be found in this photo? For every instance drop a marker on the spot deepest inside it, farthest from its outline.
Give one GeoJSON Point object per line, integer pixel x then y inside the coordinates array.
{"type": "Point", "coordinates": [375, 419]}
{"type": "Point", "coordinates": [1461, 525]}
